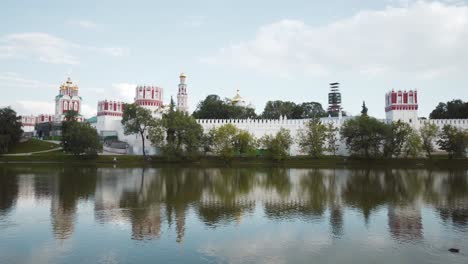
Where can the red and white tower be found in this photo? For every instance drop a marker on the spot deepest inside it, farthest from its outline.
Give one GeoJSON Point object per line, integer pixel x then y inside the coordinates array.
{"type": "Point", "coordinates": [182, 104]}
{"type": "Point", "coordinates": [150, 97]}
{"type": "Point", "coordinates": [67, 100]}
{"type": "Point", "coordinates": [109, 115]}
{"type": "Point", "coordinates": [403, 106]}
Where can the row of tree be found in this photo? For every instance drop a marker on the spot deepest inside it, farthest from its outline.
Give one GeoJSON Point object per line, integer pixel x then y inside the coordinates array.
{"type": "Point", "coordinates": [212, 107]}
{"type": "Point", "coordinates": [455, 109]}
{"type": "Point", "coordinates": [179, 135]}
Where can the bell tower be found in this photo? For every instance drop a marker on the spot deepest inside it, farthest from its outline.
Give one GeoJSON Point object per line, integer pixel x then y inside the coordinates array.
{"type": "Point", "coordinates": [182, 104]}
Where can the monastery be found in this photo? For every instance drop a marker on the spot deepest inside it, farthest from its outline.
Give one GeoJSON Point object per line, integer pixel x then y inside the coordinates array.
{"type": "Point", "coordinates": [399, 105]}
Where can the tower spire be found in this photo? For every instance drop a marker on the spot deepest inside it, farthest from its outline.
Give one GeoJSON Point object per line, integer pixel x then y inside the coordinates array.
{"type": "Point", "coordinates": [182, 96]}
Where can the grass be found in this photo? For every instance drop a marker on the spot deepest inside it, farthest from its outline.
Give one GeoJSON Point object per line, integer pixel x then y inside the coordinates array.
{"type": "Point", "coordinates": [32, 145]}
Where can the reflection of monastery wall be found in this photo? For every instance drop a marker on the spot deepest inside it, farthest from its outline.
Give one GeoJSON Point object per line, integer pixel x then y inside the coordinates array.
{"type": "Point", "coordinates": [152, 201]}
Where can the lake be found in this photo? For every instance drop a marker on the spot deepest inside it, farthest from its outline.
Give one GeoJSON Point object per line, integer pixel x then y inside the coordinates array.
{"type": "Point", "coordinates": [70, 214]}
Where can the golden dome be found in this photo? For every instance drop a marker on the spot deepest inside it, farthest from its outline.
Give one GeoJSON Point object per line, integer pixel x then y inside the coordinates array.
{"type": "Point", "coordinates": [237, 98]}
{"type": "Point", "coordinates": [182, 75]}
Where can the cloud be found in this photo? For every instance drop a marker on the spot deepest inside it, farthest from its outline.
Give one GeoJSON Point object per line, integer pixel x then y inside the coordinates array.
{"type": "Point", "coordinates": [48, 48]}
{"type": "Point", "coordinates": [15, 81]}
{"type": "Point", "coordinates": [25, 107]}
{"type": "Point", "coordinates": [88, 111]}
{"type": "Point", "coordinates": [194, 21]}
{"type": "Point", "coordinates": [86, 24]}
{"type": "Point", "coordinates": [123, 91]}
{"type": "Point", "coordinates": [427, 39]}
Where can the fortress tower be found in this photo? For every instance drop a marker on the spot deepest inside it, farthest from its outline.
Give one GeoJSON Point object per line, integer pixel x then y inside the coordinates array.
{"type": "Point", "coordinates": [182, 104]}
{"type": "Point", "coordinates": [150, 97]}
{"type": "Point", "coordinates": [67, 100]}
{"type": "Point", "coordinates": [403, 106]}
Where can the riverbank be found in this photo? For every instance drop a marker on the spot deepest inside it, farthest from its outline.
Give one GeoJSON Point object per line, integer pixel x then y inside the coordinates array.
{"type": "Point", "coordinates": [297, 161]}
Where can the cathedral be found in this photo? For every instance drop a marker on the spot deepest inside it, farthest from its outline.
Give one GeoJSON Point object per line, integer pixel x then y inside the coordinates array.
{"type": "Point", "coordinates": [399, 105]}
{"type": "Point", "coordinates": [50, 124]}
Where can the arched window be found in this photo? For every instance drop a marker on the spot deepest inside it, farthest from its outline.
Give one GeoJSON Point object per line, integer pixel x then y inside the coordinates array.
{"type": "Point", "coordinates": [65, 105]}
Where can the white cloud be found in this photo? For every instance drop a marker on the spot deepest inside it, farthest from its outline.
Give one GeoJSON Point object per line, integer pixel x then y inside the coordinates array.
{"type": "Point", "coordinates": [427, 39]}
{"type": "Point", "coordinates": [123, 91]}
{"type": "Point", "coordinates": [86, 24]}
{"type": "Point", "coordinates": [27, 107]}
{"type": "Point", "coordinates": [194, 21]}
{"type": "Point", "coordinates": [15, 81]}
{"type": "Point", "coordinates": [88, 111]}
{"type": "Point", "coordinates": [48, 48]}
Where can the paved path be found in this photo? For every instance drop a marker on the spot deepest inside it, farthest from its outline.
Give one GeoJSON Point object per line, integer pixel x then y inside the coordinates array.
{"type": "Point", "coordinates": [30, 153]}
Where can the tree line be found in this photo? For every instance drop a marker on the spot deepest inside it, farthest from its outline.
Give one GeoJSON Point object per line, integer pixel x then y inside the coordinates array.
{"type": "Point", "coordinates": [213, 107]}
{"type": "Point", "coordinates": [179, 135]}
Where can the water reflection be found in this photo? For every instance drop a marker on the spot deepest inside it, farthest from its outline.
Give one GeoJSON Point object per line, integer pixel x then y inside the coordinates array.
{"type": "Point", "coordinates": [153, 200]}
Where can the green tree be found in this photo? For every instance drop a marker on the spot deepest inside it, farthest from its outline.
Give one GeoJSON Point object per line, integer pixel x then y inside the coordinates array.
{"type": "Point", "coordinates": [228, 141]}
{"type": "Point", "coordinates": [10, 128]}
{"type": "Point", "coordinates": [413, 145]}
{"type": "Point", "coordinates": [81, 139]}
{"type": "Point", "coordinates": [245, 143]}
{"type": "Point", "coordinates": [212, 107]}
{"type": "Point", "coordinates": [312, 138]}
{"type": "Point", "coordinates": [364, 136]}
{"type": "Point", "coordinates": [310, 110]}
{"type": "Point", "coordinates": [454, 141]}
{"type": "Point", "coordinates": [137, 120]}
{"type": "Point", "coordinates": [276, 109]}
{"type": "Point", "coordinates": [455, 109]}
{"type": "Point", "coordinates": [397, 135]}
{"type": "Point", "coordinates": [332, 139]}
{"type": "Point", "coordinates": [364, 109]}
{"type": "Point", "coordinates": [70, 118]}
{"type": "Point", "coordinates": [224, 141]}
{"type": "Point", "coordinates": [291, 110]}
{"type": "Point", "coordinates": [177, 133]}
{"type": "Point", "coordinates": [428, 135]}
{"type": "Point", "coordinates": [277, 145]}
{"type": "Point", "coordinates": [208, 141]}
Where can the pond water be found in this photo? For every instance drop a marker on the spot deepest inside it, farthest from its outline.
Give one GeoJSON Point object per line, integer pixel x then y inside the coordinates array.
{"type": "Point", "coordinates": [232, 215]}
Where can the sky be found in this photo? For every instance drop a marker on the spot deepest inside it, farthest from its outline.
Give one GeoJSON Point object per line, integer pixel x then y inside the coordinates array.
{"type": "Point", "coordinates": [269, 50]}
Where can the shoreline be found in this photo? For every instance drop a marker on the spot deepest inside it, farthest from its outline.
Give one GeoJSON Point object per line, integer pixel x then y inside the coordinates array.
{"type": "Point", "coordinates": [204, 162]}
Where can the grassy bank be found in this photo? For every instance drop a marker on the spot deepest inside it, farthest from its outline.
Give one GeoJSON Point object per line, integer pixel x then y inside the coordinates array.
{"type": "Point", "coordinates": [297, 162]}
{"type": "Point", "coordinates": [32, 145]}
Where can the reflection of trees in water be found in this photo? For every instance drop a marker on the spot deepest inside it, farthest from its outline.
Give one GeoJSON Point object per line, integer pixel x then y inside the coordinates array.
{"type": "Point", "coordinates": [69, 185]}
{"type": "Point", "coordinates": [449, 197]}
{"type": "Point", "coordinates": [149, 198]}
{"type": "Point", "coordinates": [8, 189]}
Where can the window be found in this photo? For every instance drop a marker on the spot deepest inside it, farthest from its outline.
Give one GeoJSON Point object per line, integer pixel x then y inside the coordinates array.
{"type": "Point", "coordinates": [65, 105]}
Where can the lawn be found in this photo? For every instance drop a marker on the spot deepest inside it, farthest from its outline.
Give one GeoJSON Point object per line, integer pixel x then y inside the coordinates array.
{"type": "Point", "coordinates": [32, 145]}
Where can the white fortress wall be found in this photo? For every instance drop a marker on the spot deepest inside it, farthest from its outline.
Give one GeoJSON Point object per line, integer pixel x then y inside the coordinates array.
{"type": "Point", "coordinates": [261, 127]}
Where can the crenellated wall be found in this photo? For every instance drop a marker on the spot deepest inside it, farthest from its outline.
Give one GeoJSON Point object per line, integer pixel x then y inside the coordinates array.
{"type": "Point", "coordinates": [261, 127]}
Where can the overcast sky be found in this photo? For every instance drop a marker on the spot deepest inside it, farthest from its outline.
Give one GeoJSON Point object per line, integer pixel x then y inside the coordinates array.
{"type": "Point", "coordinates": [270, 50]}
